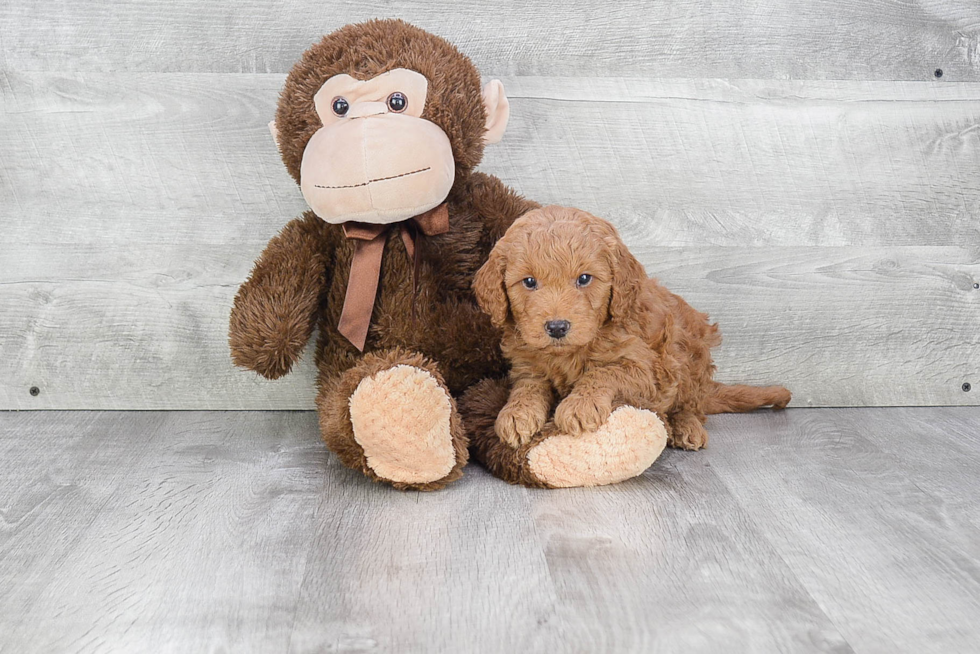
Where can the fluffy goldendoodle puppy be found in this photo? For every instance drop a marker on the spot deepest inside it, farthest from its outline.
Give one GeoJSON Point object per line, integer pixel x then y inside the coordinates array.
{"type": "Point", "coordinates": [583, 324]}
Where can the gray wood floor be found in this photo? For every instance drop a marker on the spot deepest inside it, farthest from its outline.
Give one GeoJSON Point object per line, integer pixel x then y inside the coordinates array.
{"type": "Point", "coordinates": [810, 530]}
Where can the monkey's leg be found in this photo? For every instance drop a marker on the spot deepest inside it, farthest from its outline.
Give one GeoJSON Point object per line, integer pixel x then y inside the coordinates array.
{"type": "Point", "coordinates": [624, 446]}
{"type": "Point", "coordinates": [392, 417]}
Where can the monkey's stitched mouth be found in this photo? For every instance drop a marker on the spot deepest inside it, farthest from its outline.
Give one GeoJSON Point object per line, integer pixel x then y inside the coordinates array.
{"type": "Point", "coordinates": [380, 179]}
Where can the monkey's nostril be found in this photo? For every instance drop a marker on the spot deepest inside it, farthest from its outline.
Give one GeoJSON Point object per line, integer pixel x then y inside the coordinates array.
{"type": "Point", "coordinates": [557, 328]}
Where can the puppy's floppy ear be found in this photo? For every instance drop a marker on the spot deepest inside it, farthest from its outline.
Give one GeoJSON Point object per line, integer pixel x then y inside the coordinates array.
{"type": "Point", "coordinates": [663, 341]}
{"type": "Point", "coordinates": [628, 279]}
{"type": "Point", "coordinates": [488, 285]}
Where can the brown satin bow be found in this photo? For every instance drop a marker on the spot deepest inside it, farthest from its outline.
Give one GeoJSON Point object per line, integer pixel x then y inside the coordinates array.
{"type": "Point", "coordinates": [365, 267]}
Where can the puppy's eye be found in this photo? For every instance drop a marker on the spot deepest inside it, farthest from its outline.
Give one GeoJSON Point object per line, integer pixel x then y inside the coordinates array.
{"type": "Point", "coordinates": [530, 283]}
{"type": "Point", "coordinates": [397, 102]}
{"type": "Point", "coordinates": [583, 280]}
{"type": "Point", "coordinates": [339, 106]}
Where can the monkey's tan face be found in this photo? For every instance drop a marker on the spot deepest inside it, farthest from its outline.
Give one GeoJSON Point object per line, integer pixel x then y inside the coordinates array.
{"type": "Point", "coordinates": [375, 159]}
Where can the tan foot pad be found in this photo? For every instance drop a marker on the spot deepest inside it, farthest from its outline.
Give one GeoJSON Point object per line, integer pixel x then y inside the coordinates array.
{"type": "Point", "coordinates": [626, 445]}
{"type": "Point", "coordinates": [401, 420]}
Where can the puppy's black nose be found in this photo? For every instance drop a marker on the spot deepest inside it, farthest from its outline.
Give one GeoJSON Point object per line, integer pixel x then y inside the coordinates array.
{"type": "Point", "coordinates": [557, 328]}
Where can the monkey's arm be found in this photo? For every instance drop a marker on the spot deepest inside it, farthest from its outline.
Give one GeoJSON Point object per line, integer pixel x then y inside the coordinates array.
{"type": "Point", "coordinates": [275, 309]}
{"type": "Point", "coordinates": [497, 204]}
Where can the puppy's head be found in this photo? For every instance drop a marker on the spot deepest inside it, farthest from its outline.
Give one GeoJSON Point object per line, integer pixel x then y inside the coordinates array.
{"type": "Point", "coordinates": [557, 276]}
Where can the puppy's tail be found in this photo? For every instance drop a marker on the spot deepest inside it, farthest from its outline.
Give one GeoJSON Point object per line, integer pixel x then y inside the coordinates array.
{"type": "Point", "coordinates": [723, 398]}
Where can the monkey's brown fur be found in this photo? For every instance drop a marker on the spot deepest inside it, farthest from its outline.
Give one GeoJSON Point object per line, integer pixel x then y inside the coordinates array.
{"type": "Point", "coordinates": [480, 406]}
{"type": "Point", "coordinates": [301, 278]}
{"type": "Point", "coordinates": [631, 340]}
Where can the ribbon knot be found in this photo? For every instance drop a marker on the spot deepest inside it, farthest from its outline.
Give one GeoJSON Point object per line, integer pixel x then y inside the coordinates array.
{"type": "Point", "coordinates": [365, 268]}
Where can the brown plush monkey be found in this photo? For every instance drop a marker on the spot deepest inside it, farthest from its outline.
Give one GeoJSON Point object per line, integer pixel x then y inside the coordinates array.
{"type": "Point", "coordinates": [382, 125]}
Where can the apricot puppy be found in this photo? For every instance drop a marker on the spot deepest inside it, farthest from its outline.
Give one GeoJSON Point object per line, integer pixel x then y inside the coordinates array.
{"type": "Point", "coordinates": [583, 324]}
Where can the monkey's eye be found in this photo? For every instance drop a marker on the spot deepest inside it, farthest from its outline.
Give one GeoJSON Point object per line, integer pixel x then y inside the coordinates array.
{"type": "Point", "coordinates": [530, 283]}
{"type": "Point", "coordinates": [397, 102]}
{"type": "Point", "coordinates": [583, 280]}
{"type": "Point", "coordinates": [340, 106]}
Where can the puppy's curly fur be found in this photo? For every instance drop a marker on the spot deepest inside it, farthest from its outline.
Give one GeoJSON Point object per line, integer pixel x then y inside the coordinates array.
{"type": "Point", "coordinates": [626, 340]}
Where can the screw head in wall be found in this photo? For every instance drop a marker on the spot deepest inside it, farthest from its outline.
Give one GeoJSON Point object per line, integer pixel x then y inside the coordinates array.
{"type": "Point", "coordinates": [938, 73]}
{"type": "Point", "coordinates": [35, 391]}
{"type": "Point", "coordinates": [966, 387]}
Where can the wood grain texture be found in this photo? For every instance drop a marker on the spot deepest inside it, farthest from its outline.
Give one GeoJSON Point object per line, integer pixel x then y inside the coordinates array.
{"type": "Point", "coordinates": [839, 326]}
{"type": "Point", "coordinates": [887, 39]}
{"type": "Point", "coordinates": [671, 564]}
{"type": "Point", "coordinates": [170, 532]}
{"type": "Point", "coordinates": [810, 530]}
{"type": "Point", "coordinates": [58, 473]}
{"type": "Point", "coordinates": [831, 227]}
{"type": "Point", "coordinates": [174, 158]}
{"type": "Point", "coordinates": [873, 510]}
{"type": "Point", "coordinates": [749, 162]}
{"type": "Point", "coordinates": [237, 532]}
{"type": "Point", "coordinates": [408, 572]}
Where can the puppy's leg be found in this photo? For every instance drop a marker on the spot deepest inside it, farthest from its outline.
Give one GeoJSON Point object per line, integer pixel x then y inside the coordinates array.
{"type": "Point", "coordinates": [589, 404]}
{"type": "Point", "coordinates": [526, 410]}
{"type": "Point", "coordinates": [687, 430]}
{"type": "Point", "coordinates": [623, 447]}
{"type": "Point", "coordinates": [582, 412]}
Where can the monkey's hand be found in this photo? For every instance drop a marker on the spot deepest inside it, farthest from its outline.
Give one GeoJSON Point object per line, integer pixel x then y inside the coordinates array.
{"type": "Point", "coordinates": [275, 310]}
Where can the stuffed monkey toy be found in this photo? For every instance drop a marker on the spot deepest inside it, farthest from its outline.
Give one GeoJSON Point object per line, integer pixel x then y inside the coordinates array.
{"type": "Point", "coordinates": [382, 124]}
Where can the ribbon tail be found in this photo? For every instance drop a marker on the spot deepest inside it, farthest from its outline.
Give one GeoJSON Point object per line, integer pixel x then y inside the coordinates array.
{"type": "Point", "coordinates": [408, 238]}
{"type": "Point", "coordinates": [412, 237]}
{"type": "Point", "coordinates": [362, 288]}
{"type": "Point", "coordinates": [416, 270]}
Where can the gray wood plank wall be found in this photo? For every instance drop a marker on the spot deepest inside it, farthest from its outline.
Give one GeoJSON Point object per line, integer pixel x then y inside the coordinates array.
{"type": "Point", "coordinates": [796, 169]}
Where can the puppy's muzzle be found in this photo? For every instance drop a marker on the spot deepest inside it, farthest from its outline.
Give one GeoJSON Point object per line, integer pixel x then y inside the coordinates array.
{"type": "Point", "coordinates": [557, 328]}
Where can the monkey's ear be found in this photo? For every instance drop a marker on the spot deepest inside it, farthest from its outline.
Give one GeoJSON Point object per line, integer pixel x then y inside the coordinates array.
{"type": "Point", "coordinates": [275, 133]}
{"type": "Point", "coordinates": [488, 286]}
{"type": "Point", "coordinates": [498, 111]}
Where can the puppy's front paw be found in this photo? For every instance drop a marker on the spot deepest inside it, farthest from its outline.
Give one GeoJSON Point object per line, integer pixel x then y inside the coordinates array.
{"type": "Point", "coordinates": [580, 413]}
{"type": "Point", "coordinates": [516, 425]}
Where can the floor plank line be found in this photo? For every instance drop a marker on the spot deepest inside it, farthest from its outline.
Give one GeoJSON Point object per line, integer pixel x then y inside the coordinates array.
{"type": "Point", "coordinates": [809, 530]}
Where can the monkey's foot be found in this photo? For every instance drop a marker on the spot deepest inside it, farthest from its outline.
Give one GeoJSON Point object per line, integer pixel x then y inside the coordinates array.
{"type": "Point", "coordinates": [624, 446]}
{"type": "Point", "coordinates": [402, 418]}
